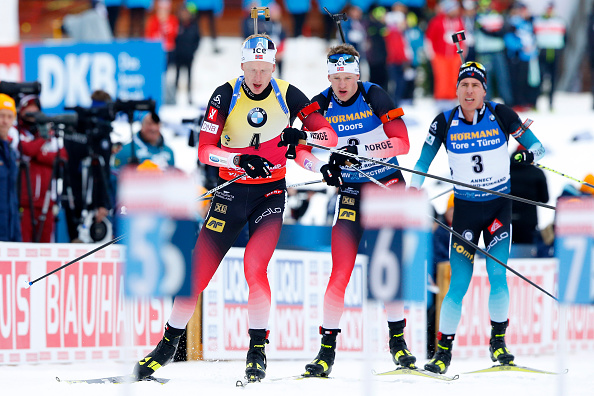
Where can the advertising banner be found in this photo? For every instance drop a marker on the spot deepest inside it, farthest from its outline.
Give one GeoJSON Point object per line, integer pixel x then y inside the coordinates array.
{"type": "Point", "coordinates": [77, 314]}
{"type": "Point", "coordinates": [69, 73]}
{"type": "Point", "coordinates": [10, 64]}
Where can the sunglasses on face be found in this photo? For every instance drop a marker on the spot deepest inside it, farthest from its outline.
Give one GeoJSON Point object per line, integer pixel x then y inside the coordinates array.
{"type": "Point", "coordinates": [345, 58]}
{"type": "Point", "coordinates": [256, 42]}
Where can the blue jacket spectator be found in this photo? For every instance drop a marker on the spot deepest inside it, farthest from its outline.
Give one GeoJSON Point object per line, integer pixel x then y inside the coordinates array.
{"type": "Point", "coordinates": [10, 223]}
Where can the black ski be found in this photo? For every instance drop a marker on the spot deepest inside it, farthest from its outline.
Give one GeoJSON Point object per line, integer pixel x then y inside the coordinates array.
{"type": "Point", "coordinates": [419, 372]}
{"type": "Point", "coordinates": [121, 379]}
{"type": "Point", "coordinates": [514, 367]}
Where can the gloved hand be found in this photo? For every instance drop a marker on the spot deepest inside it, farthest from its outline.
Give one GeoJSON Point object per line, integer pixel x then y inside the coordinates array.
{"type": "Point", "coordinates": [341, 159]}
{"type": "Point", "coordinates": [332, 175]}
{"type": "Point", "coordinates": [524, 157]}
{"type": "Point", "coordinates": [292, 136]}
{"type": "Point", "coordinates": [255, 166]}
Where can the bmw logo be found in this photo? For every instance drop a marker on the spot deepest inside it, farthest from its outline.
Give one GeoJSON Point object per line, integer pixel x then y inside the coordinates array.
{"type": "Point", "coordinates": [492, 117]}
{"type": "Point", "coordinates": [257, 117]}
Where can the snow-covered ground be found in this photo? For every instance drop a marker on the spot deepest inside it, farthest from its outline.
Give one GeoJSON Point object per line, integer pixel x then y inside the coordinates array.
{"type": "Point", "coordinates": [304, 66]}
{"type": "Point", "coordinates": [351, 377]}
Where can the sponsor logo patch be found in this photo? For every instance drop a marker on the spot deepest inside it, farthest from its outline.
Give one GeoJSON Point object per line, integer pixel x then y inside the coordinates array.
{"type": "Point", "coordinates": [454, 122]}
{"type": "Point", "coordinates": [221, 208]}
{"type": "Point", "coordinates": [495, 226]}
{"type": "Point", "coordinates": [209, 127]}
{"type": "Point", "coordinates": [257, 117]}
{"type": "Point", "coordinates": [347, 214]}
{"type": "Point", "coordinates": [274, 192]}
{"type": "Point", "coordinates": [393, 181]}
{"type": "Point", "coordinates": [430, 139]}
{"type": "Point", "coordinates": [212, 114]}
{"type": "Point", "coordinates": [215, 224]}
{"type": "Point", "coordinates": [468, 235]}
{"type": "Point", "coordinates": [348, 201]}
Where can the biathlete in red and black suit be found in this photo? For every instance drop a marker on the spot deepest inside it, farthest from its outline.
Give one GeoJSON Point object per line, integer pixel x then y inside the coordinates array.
{"type": "Point", "coordinates": [246, 131]}
{"type": "Point", "coordinates": [364, 117]}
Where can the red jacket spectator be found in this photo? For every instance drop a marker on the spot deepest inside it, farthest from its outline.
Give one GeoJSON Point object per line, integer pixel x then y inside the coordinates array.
{"type": "Point", "coordinates": [40, 154]}
{"type": "Point", "coordinates": [162, 25]}
{"type": "Point", "coordinates": [441, 49]}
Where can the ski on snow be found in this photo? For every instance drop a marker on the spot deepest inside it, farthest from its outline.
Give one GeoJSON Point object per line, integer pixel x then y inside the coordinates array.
{"type": "Point", "coordinates": [513, 367]}
{"type": "Point", "coordinates": [244, 382]}
{"type": "Point", "coordinates": [419, 372]}
{"type": "Point", "coordinates": [122, 379]}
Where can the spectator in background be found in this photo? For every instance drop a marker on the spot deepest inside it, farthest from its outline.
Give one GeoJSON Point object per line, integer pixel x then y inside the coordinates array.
{"type": "Point", "coordinates": [469, 20]}
{"type": "Point", "coordinates": [90, 26]}
{"type": "Point", "coordinates": [137, 10]}
{"type": "Point", "coordinates": [490, 50]}
{"type": "Point", "coordinates": [298, 10]}
{"type": "Point", "coordinates": [441, 50]}
{"type": "Point", "coordinates": [399, 52]}
{"type": "Point", "coordinates": [186, 45]}
{"type": "Point", "coordinates": [415, 37]}
{"type": "Point", "coordinates": [89, 154]}
{"type": "Point", "coordinates": [208, 9]}
{"type": "Point", "coordinates": [354, 29]}
{"type": "Point", "coordinates": [550, 39]}
{"type": "Point", "coordinates": [148, 143]}
{"type": "Point", "coordinates": [40, 152]}
{"type": "Point", "coordinates": [163, 26]}
{"type": "Point", "coordinates": [113, 13]}
{"type": "Point", "coordinates": [526, 182]}
{"type": "Point", "coordinates": [377, 52]}
{"type": "Point", "coordinates": [10, 225]}
{"type": "Point", "coordinates": [523, 58]}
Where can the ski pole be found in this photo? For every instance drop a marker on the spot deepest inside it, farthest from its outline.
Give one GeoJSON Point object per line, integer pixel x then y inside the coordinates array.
{"type": "Point", "coordinates": [440, 194]}
{"type": "Point", "coordinates": [304, 183]}
{"type": "Point", "coordinates": [563, 174]}
{"type": "Point", "coordinates": [457, 38]}
{"type": "Point", "coordinates": [217, 188]}
{"type": "Point", "coordinates": [78, 258]}
{"type": "Point", "coordinates": [443, 179]}
{"type": "Point", "coordinates": [338, 18]}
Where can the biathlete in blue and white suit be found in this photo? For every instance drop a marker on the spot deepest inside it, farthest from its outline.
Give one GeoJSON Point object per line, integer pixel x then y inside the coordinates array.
{"type": "Point", "coordinates": [366, 122]}
{"type": "Point", "coordinates": [475, 135]}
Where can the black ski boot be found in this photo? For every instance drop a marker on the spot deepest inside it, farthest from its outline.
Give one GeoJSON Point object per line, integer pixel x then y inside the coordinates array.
{"type": "Point", "coordinates": [497, 347]}
{"type": "Point", "coordinates": [161, 355]}
{"type": "Point", "coordinates": [400, 353]}
{"type": "Point", "coordinates": [255, 363]}
{"type": "Point", "coordinates": [321, 366]}
{"type": "Point", "coordinates": [443, 355]}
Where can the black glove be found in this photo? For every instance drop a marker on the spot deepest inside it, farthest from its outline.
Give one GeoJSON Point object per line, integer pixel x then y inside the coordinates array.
{"type": "Point", "coordinates": [332, 175]}
{"type": "Point", "coordinates": [524, 157]}
{"type": "Point", "coordinates": [292, 136]}
{"type": "Point", "coordinates": [255, 166]}
{"type": "Point", "coordinates": [341, 159]}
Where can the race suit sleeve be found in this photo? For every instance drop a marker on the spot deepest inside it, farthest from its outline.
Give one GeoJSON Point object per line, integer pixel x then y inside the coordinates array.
{"type": "Point", "coordinates": [396, 132]}
{"type": "Point", "coordinates": [433, 141]}
{"type": "Point", "coordinates": [513, 124]}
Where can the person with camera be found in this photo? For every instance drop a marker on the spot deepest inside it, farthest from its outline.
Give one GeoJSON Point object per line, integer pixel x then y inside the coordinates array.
{"type": "Point", "coordinates": [89, 156]}
{"type": "Point", "coordinates": [10, 226]}
{"type": "Point", "coordinates": [148, 143]}
{"type": "Point", "coordinates": [245, 133]}
{"type": "Point", "coordinates": [40, 152]}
